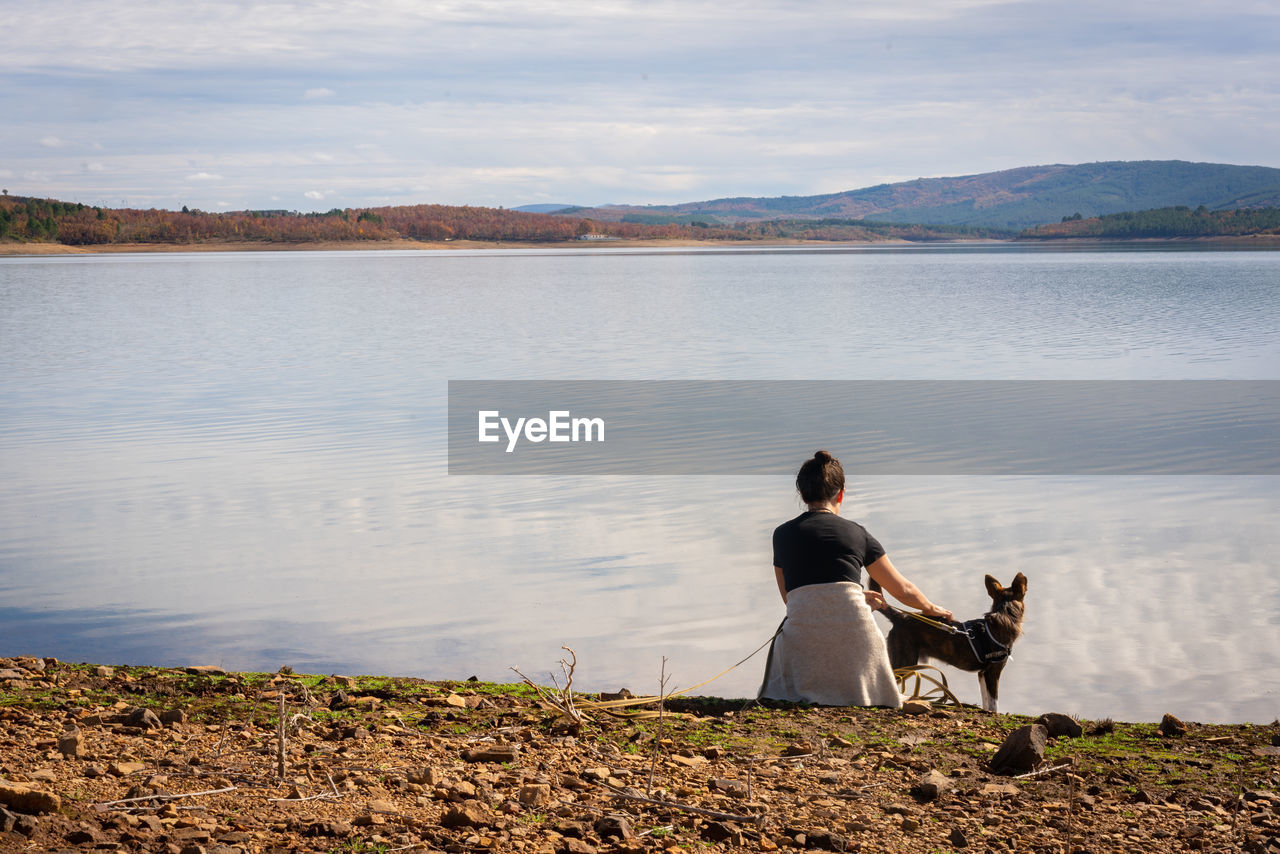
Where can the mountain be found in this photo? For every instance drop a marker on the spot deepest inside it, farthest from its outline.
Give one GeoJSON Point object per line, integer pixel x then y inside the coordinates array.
{"type": "Point", "coordinates": [1010, 199]}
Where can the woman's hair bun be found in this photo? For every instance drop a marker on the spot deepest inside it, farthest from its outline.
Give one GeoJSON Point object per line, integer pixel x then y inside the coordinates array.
{"type": "Point", "coordinates": [822, 457]}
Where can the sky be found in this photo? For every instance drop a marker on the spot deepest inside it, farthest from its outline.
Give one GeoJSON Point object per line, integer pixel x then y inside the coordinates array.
{"type": "Point", "coordinates": [307, 106]}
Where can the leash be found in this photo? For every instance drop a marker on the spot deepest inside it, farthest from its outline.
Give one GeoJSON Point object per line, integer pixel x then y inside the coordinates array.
{"type": "Point", "coordinates": [928, 621]}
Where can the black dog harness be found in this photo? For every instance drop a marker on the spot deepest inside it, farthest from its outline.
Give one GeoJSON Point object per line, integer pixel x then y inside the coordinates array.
{"type": "Point", "coordinates": [985, 647]}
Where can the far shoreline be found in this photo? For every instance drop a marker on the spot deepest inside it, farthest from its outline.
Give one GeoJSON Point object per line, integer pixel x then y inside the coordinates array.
{"type": "Point", "coordinates": [17, 249]}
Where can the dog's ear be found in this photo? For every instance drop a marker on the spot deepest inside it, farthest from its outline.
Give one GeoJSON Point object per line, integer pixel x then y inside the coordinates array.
{"type": "Point", "coordinates": [1019, 587]}
{"type": "Point", "coordinates": [993, 587]}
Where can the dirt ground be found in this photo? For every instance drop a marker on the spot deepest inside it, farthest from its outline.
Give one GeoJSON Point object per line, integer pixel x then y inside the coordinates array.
{"type": "Point", "coordinates": [196, 760]}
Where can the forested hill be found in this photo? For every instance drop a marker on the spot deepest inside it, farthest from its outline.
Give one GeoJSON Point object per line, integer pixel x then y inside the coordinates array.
{"type": "Point", "coordinates": [1012, 199]}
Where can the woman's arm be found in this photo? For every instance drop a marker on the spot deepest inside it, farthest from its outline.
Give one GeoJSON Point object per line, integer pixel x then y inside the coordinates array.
{"type": "Point", "coordinates": [782, 583]}
{"type": "Point", "coordinates": [897, 586]}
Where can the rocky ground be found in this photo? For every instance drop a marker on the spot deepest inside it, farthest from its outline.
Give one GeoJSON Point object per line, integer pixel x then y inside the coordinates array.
{"type": "Point", "coordinates": [196, 760]}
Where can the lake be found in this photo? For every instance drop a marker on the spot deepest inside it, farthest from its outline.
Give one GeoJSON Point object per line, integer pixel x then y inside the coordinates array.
{"type": "Point", "coordinates": [242, 459]}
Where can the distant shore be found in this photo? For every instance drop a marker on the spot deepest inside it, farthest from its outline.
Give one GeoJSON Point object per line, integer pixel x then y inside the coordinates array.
{"type": "Point", "coordinates": [1259, 241]}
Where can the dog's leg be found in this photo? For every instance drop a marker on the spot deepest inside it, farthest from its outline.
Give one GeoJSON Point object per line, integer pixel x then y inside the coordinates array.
{"type": "Point", "coordinates": [989, 685]}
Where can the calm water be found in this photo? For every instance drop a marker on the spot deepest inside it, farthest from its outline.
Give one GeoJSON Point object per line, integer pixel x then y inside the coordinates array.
{"type": "Point", "coordinates": [240, 459]}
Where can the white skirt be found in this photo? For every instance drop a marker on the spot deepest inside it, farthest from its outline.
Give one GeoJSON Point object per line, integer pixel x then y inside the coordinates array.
{"type": "Point", "coordinates": [830, 651]}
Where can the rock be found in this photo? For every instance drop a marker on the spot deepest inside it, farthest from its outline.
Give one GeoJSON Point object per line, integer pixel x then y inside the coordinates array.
{"type": "Point", "coordinates": [570, 828]}
{"type": "Point", "coordinates": [173, 716]}
{"type": "Point", "coordinates": [425, 776]}
{"type": "Point", "coordinates": [1060, 726]}
{"type": "Point", "coordinates": [1171, 727]}
{"type": "Point", "coordinates": [614, 826]}
{"type": "Point", "coordinates": [124, 769]}
{"type": "Point", "coordinates": [1022, 751]}
{"type": "Point", "coordinates": [958, 839]}
{"type": "Point", "coordinates": [837, 741]}
{"type": "Point", "coordinates": [1000, 790]}
{"type": "Point", "coordinates": [535, 794]}
{"type": "Point", "coordinates": [467, 814]}
{"type": "Point", "coordinates": [910, 824]}
{"type": "Point", "coordinates": [205, 670]}
{"type": "Point", "coordinates": [493, 753]}
{"type": "Point", "coordinates": [732, 788]}
{"type": "Point", "coordinates": [932, 786]}
{"type": "Point", "coordinates": [339, 829]}
{"type": "Point", "coordinates": [456, 701]}
{"type": "Point", "coordinates": [799, 748]}
{"type": "Point", "coordinates": [12, 674]}
{"type": "Point", "coordinates": [71, 744]}
{"type": "Point", "coordinates": [82, 835]}
{"type": "Point", "coordinates": [25, 799]}
{"type": "Point", "coordinates": [917, 707]}
{"type": "Point", "coordinates": [825, 840]}
{"type": "Point", "coordinates": [103, 672]}
{"type": "Point", "coordinates": [141, 718]}
{"type": "Point", "coordinates": [577, 846]}
{"type": "Point", "coordinates": [722, 831]}
{"type": "Point", "coordinates": [690, 761]}
{"type": "Point", "coordinates": [7, 820]}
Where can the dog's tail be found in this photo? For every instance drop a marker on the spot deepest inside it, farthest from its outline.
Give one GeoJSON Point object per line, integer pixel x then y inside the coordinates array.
{"type": "Point", "coordinates": [893, 615]}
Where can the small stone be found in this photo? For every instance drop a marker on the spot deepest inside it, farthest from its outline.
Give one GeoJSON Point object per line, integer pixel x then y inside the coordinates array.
{"type": "Point", "coordinates": [614, 826]}
{"type": "Point", "coordinates": [958, 839]}
{"type": "Point", "coordinates": [467, 814]}
{"type": "Point", "coordinates": [139, 717]}
{"type": "Point", "coordinates": [1022, 751]}
{"type": "Point", "coordinates": [25, 799]}
{"type": "Point", "coordinates": [825, 840]}
{"type": "Point", "coordinates": [535, 794]}
{"type": "Point", "coordinates": [493, 753]}
{"type": "Point", "coordinates": [7, 820]}
{"type": "Point", "coordinates": [837, 741]}
{"type": "Point", "coordinates": [1171, 727]}
{"type": "Point", "coordinates": [124, 769]}
{"type": "Point", "coordinates": [456, 701]}
{"type": "Point", "coordinates": [1060, 725]}
{"type": "Point", "coordinates": [799, 748]}
{"type": "Point", "coordinates": [917, 707]}
{"type": "Point", "coordinates": [910, 824]}
{"type": "Point", "coordinates": [425, 776]}
{"type": "Point", "coordinates": [71, 744]}
{"type": "Point", "coordinates": [205, 670]}
{"type": "Point", "coordinates": [173, 716]}
{"type": "Point", "coordinates": [82, 835]}
{"type": "Point", "coordinates": [103, 672]}
{"type": "Point", "coordinates": [1000, 790]}
{"type": "Point", "coordinates": [732, 788]}
{"type": "Point", "coordinates": [722, 831]}
{"type": "Point", "coordinates": [932, 786]}
{"type": "Point", "coordinates": [578, 846]}
{"type": "Point", "coordinates": [688, 761]}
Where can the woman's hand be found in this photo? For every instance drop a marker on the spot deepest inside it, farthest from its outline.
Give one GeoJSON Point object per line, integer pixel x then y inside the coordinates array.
{"type": "Point", "coordinates": [874, 600]}
{"type": "Point", "coordinates": [940, 613]}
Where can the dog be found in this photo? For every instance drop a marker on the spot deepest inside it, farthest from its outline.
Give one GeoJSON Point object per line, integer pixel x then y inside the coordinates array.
{"type": "Point", "coordinates": [980, 645]}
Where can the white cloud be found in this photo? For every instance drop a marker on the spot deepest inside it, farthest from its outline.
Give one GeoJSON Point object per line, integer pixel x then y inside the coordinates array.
{"type": "Point", "coordinates": [95, 167]}
{"type": "Point", "coordinates": [316, 195]}
{"type": "Point", "coordinates": [204, 176]}
{"type": "Point", "coordinates": [52, 142]}
{"type": "Point", "coordinates": [317, 94]}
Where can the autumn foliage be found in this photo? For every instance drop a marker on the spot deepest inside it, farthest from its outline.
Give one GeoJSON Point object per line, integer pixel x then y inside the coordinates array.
{"type": "Point", "coordinates": [80, 225]}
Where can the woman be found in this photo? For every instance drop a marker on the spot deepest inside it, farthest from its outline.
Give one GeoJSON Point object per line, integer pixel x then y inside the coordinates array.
{"type": "Point", "coordinates": [829, 649]}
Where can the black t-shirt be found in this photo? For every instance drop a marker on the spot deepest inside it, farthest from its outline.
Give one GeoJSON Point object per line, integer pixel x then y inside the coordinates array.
{"type": "Point", "coordinates": [821, 548]}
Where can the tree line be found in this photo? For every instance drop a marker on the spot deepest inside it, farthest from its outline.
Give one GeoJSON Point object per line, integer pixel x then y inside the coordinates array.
{"type": "Point", "coordinates": [1180, 221]}
{"type": "Point", "coordinates": [75, 224]}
